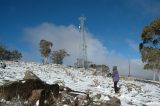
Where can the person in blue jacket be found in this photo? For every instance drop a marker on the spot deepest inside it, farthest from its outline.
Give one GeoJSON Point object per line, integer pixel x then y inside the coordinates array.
{"type": "Point", "coordinates": [115, 76]}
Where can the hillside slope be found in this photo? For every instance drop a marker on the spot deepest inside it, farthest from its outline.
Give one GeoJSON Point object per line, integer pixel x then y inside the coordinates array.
{"type": "Point", "coordinates": [132, 93]}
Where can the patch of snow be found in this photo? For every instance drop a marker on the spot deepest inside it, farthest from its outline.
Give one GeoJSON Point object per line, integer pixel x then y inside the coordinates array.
{"type": "Point", "coordinates": [37, 103]}
{"type": "Point", "coordinates": [23, 81]}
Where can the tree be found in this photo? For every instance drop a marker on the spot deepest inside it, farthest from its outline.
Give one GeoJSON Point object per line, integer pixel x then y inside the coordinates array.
{"type": "Point", "coordinates": [15, 55]}
{"type": "Point", "coordinates": [6, 54]}
{"type": "Point", "coordinates": [2, 52]}
{"type": "Point", "coordinates": [150, 46]}
{"type": "Point", "coordinates": [45, 49]}
{"type": "Point", "coordinates": [58, 56]}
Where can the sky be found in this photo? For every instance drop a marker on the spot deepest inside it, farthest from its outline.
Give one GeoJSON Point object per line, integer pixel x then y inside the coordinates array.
{"type": "Point", "coordinates": [112, 29]}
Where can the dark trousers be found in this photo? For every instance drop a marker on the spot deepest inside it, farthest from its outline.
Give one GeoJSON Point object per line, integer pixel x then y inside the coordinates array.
{"type": "Point", "coordinates": [116, 89]}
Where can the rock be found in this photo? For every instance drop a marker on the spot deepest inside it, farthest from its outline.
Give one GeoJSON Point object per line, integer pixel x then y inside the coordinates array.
{"type": "Point", "coordinates": [98, 96]}
{"type": "Point", "coordinates": [2, 65]}
{"type": "Point", "coordinates": [35, 96]}
{"type": "Point", "coordinates": [113, 102]}
{"type": "Point", "coordinates": [47, 98]}
{"type": "Point", "coordinates": [29, 90]}
{"type": "Point", "coordinates": [81, 100]}
{"type": "Point", "coordinates": [30, 75]}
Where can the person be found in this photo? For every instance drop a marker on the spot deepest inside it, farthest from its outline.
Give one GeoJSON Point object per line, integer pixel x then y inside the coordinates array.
{"type": "Point", "coordinates": [115, 77]}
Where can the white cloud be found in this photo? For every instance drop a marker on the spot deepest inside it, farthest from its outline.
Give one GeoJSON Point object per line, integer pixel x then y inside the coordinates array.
{"type": "Point", "coordinates": [136, 67]}
{"type": "Point", "coordinates": [132, 44]}
{"type": "Point", "coordinates": [68, 38]}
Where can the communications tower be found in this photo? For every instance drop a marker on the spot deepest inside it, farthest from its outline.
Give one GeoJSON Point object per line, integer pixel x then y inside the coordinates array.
{"type": "Point", "coordinates": [82, 61]}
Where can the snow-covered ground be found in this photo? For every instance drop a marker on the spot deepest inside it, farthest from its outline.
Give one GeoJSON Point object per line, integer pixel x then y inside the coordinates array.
{"type": "Point", "coordinates": [132, 93]}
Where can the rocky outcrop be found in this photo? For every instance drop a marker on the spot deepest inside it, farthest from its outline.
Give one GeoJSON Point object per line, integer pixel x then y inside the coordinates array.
{"type": "Point", "coordinates": [32, 90]}
{"type": "Point", "coordinates": [26, 89]}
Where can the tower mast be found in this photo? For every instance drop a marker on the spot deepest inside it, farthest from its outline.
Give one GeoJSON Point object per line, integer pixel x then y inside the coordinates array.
{"type": "Point", "coordinates": [83, 44]}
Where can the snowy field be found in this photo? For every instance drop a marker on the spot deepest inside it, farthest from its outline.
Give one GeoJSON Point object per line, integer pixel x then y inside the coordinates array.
{"type": "Point", "coordinates": [132, 93]}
